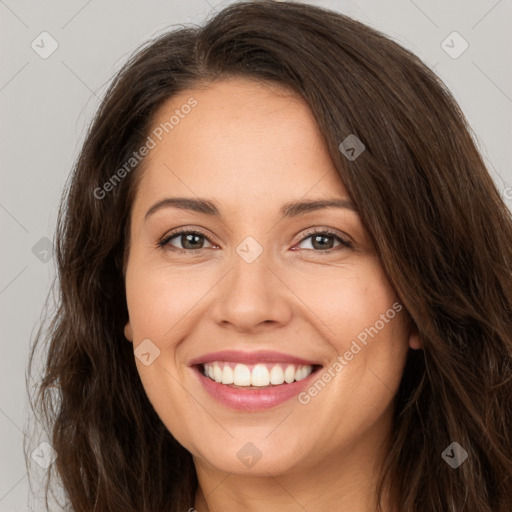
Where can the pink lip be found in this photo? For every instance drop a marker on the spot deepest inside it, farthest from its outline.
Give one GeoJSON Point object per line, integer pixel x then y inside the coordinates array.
{"type": "Point", "coordinates": [237, 356]}
{"type": "Point", "coordinates": [252, 399]}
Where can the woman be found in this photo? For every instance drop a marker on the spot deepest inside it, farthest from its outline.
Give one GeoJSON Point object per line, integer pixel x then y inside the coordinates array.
{"type": "Point", "coordinates": [285, 282]}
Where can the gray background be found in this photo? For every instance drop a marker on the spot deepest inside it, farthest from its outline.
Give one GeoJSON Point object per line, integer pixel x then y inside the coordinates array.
{"type": "Point", "coordinates": [46, 105]}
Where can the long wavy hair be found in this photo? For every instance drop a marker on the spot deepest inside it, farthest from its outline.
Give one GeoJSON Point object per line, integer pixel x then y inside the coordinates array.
{"type": "Point", "coordinates": [437, 220]}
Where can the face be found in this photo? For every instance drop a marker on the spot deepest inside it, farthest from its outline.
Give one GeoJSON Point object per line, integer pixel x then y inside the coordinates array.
{"type": "Point", "coordinates": [285, 307]}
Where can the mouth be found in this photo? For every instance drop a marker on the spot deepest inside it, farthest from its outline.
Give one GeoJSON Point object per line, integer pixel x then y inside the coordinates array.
{"type": "Point", "coordinates": [255, 376]}
{"type": "Point", "coordinates": [253, 381]}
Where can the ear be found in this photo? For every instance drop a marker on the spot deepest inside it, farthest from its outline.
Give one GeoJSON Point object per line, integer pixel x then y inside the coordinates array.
{"type": "Point", "coordinates": [128, 333]}
{"type": "Point", "coordinates": [414, 339]}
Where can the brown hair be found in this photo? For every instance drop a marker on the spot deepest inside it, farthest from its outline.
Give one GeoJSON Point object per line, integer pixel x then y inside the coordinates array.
{"type": "Point", "coordinates": [438, 223]}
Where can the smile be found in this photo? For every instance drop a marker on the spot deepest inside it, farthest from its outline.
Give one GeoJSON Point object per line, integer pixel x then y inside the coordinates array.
{"type": "Point", "coordinates": [253, 381]}
{"type": "Point", "coordinates": [258, 375]}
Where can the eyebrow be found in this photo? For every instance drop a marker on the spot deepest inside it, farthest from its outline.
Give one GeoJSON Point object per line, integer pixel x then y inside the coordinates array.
{"type": "Point", "coordinates": [290, 209]}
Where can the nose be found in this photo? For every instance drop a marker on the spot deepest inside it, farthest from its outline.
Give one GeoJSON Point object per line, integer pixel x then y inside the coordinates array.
{"type": "Point", "coordinates": [251, 298]}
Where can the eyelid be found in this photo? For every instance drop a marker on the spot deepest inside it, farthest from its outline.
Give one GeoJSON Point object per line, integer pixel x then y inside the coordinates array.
{"type": "Point", "coordinates": [184, 231]}
{"type": "Point", "coordinates": [342, 238]}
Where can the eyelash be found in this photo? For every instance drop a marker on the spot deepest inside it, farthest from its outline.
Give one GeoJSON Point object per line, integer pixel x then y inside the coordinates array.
{"type": "Point", "coordinates": [164, 242]}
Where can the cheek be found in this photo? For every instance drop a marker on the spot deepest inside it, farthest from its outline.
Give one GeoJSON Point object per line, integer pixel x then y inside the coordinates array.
{"type": "Point", "coordinates": [361, 318]}
{"type": "Point", "coordinates": [158, 303]}
{"type": "Point", "coordinates": [350, 303]}
{"type": "Point", "coordinates": [369, 344]}
{"type": "Point", "coordinates": [159, 300]}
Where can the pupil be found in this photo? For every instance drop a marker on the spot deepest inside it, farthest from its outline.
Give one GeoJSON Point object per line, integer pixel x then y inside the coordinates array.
{"type": "Point", "coordinates": [189, 241]}
{"type": "Point", "coordinates": [322, 245]}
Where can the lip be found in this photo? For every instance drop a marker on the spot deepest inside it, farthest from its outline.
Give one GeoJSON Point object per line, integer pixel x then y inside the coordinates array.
{"type": "Point", "coordinates": [262, 356]}
{"type": "Point", "coordinates": [252, 399]}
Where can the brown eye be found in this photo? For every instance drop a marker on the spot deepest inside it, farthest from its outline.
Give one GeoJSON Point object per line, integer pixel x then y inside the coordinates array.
{"type": "Point", "coordinates": [186, 240]}
{"type": "Point", "coordinates": [324, 241]}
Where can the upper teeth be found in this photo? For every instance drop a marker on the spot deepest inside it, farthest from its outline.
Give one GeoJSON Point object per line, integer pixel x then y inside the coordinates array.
{"type": "Point", "coordinates": [255, 375]}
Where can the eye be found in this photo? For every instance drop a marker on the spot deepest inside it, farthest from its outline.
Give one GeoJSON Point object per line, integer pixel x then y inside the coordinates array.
{"type": "Point", "coordinates": [188, 240]}
{"type": "Point", "coordinates": [324, 240]}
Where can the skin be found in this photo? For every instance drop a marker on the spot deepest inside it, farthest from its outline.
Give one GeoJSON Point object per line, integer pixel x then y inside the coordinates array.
{"type": "Point", "coordinates": [251, 148]}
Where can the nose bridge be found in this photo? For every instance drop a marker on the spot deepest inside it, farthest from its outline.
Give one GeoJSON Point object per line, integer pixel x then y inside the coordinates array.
{"type": "Point", "coordinates": [251, 294]}
{"type": "Point", "coordinates": [250, 276]}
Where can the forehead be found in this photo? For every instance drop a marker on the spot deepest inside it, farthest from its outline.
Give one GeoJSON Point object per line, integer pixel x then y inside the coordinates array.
{"type": "Point", "coordinates": [241, 140]}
